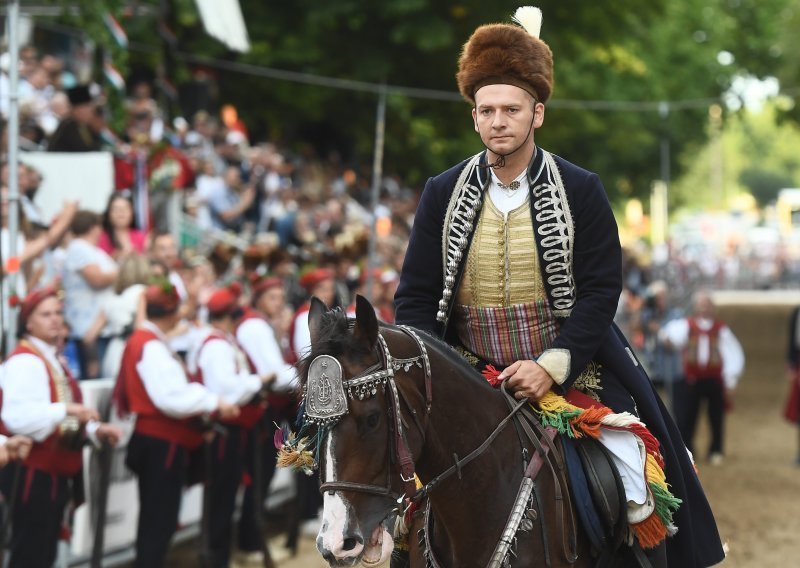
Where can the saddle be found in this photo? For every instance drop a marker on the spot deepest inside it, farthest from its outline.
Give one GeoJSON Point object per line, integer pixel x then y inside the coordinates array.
{"type": "Point", "coordinates": [599, 494]}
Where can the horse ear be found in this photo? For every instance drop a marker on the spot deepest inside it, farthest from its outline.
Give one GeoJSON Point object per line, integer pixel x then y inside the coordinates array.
{"type": "Point", "coordinates": [315, 313]}
{"type": "Point", "coordinates": [366, 329]}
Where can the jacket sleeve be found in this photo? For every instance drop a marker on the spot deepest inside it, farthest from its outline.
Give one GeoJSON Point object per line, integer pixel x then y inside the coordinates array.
{"type": "Point", "coordinates": [421, 281]}
{"type": "Point", "coordinates": [597, 269]}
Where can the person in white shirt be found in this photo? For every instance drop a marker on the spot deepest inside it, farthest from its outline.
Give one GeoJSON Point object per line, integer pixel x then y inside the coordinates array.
{"type": "Point", "coordinates": [172, 416]}
{"type": "Point", "coordinates": [713, 361]}
{"type": "Point", "coordinates": [319, 282]}
{"type": "Point", "coordinates": [218, 361]}
{"type": "Point", "coordinates": [42, 401]}
{"type": "Point", "coordinates": [89, 273]}
{"type": "Point", "coordinates": [258, 338]}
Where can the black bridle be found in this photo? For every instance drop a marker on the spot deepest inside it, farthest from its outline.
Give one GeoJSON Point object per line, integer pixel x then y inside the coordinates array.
{"type": "Point", "coordinates": [383, 372]}
{"type": "Point", "coordinates": [364, 385]}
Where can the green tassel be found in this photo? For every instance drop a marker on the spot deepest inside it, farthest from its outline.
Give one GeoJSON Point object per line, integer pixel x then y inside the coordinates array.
{"type": "Point", "coordinates": [561, 421]}
{"type": "Point", "coordinates": [666, 503]}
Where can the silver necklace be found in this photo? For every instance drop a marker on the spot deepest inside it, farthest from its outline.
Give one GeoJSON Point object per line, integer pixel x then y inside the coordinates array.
{"type": "Point", "coordinates": [510, 187]}
{"type": "Point", "coordinates": [513, 186]}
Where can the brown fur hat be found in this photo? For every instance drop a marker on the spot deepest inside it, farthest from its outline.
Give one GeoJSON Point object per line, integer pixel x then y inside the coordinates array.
{"type": "Point", "coordinates": [505, 54]}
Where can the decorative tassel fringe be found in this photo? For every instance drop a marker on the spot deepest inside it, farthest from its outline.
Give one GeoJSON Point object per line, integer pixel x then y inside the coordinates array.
{"type": "Point", "coordinates": [650, 532]}
{"type": "Point", "coordinates": [492, 375]}
{"type": "Point", "coordinates": [575, 422]}
{"type": "Point", "coordinates": [297, 457]}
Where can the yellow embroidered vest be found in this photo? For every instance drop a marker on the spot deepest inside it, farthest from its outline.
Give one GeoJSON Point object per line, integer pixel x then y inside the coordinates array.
{"type": "Point", "coordinates": [503, 265]}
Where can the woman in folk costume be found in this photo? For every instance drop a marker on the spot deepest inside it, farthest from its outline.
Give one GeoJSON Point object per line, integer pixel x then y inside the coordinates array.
{"type": "Point", "coordinates": [514, 258]}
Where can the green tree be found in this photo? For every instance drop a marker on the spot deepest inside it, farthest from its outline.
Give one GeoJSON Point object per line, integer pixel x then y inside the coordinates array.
{"type": "Point", "coordinates": [629, 51]}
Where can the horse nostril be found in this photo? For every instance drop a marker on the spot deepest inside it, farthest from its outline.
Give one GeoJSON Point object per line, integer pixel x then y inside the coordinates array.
{"type": "Point", "coordinates": [350, 543]}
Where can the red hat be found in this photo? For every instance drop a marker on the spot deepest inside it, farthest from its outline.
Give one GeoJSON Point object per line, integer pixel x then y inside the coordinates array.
{"type": "Point", "coordinates": [32, 300]}
{"type": "Point", "coordinates": [224, 301]}
{"type": "Point", "coordinates": [377, 275]}
{"type": "Point", "coordinates": [164, 295]}
{"type": "Point", "coordinates": [264, 283]}
{"type": "Point", "coordinates": [312, 278]}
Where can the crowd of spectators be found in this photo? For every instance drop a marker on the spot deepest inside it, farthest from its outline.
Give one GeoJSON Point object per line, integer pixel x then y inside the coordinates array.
{"type": "Point", "coordinates": [193, 198]}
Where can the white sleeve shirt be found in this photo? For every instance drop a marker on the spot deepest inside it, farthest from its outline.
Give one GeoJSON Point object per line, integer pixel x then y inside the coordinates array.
{"type": "Point", "coordinates": [258, 340]}
{"type": "Point", "coordinates": [217, 361]}
{"type": "Point", "coordinates": [302, 336]}
{"type": "Point", "coordinates": [27, 409]}
{"type": "Point", "coordinates": [677, 333]}
{"type": "Point", "coordinates": [167, 385]}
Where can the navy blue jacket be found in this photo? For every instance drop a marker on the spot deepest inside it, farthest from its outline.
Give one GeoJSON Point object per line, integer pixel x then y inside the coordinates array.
{"type": "Point", "coordinates": [588, 333]}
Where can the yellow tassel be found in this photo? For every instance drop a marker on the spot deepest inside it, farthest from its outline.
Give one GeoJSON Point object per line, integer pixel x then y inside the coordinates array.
{"type": "Point", "coordinates": [551, 402]}
{"type": "Point", "coordinates": [296, 456]}
{"type": "Point", "coordinates": [654, 473]}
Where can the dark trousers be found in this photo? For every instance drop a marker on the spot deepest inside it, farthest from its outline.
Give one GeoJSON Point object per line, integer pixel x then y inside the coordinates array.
{"type": "Point", "coordinates": [713, 392]}
{"type": "Point", "coordinates": [261, 446]}
{"type": "Point", "coordinates": [37, 517]}
{"type": "Point", "coordinates": [161, 470]}
{"type": "Point", "coordinates": [227, 464]}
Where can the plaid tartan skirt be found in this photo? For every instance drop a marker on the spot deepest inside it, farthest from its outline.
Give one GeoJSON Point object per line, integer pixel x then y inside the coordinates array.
{"type": "Point", "coordinates": [506, 334]}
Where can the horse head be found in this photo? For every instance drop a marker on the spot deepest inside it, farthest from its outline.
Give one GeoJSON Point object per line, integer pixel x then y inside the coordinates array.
{"type": "Point", "coordinates": [345, 382]}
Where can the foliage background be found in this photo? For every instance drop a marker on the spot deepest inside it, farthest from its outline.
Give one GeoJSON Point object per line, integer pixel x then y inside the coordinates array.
{"type": "Point", "coordinates": [632, 54]}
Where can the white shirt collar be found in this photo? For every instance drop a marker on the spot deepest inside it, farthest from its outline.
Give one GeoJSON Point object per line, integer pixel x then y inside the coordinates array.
{"type": "Point", "coordinates": [150, 326]}
{"type": "Point", "coordinates": [48, 350]}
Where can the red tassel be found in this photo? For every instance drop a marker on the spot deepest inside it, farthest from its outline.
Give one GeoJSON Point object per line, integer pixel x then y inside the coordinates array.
{"type": "Point", "coordinates": [492, 375]}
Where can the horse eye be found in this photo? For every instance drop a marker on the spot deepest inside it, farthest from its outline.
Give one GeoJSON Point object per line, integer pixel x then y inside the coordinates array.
{"type": "Point", "coordinates": [373, 420]}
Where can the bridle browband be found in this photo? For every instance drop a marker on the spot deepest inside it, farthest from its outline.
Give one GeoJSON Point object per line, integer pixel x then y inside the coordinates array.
{"type": "Point", "coordinates": [365, 385]}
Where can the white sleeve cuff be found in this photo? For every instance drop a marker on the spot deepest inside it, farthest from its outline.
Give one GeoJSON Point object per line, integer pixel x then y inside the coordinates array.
{"type": "Point", "coordinates": [556, 362]}
{"type": "Point", "coordinates": [91, 432]}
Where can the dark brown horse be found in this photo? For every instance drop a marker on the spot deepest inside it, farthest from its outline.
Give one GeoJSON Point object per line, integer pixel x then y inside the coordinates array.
{"type": "Point", "coordinates": [390, 402]}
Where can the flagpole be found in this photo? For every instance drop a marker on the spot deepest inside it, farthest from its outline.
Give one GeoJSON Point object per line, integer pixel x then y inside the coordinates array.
{"type": "Point", "coordinates": [13, 168]}
{"type": "Point", "coordinates": [377, 182]}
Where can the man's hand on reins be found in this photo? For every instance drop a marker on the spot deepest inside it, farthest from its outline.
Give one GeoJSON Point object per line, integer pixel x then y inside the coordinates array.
{"type": "Point", "coordinates": [527, 379]}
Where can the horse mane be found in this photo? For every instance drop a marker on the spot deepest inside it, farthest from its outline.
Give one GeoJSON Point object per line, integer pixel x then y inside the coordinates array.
{"type": "Point", "coordinates": [335, 338]}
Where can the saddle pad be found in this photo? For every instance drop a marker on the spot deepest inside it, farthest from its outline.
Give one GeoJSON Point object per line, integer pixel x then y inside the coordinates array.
{"type": "Point", "coordinates": [601, 475]}
{"type": "Point", "coordinates": [582, 497]}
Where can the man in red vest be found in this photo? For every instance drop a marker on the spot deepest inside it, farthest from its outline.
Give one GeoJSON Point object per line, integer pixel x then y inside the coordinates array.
{"type": "Point", "coordinates": [170, 415]}
{"type": "Point", "coordinates": [42, 400]}
{"type": "Point", "coordinates": [258, 339]}
{"type": "Point", "coordinates": [219, 363]}
{"type": "Point", "coordinates": [319, 282]}
{"type": "Point", "coordinates": [713, 361]}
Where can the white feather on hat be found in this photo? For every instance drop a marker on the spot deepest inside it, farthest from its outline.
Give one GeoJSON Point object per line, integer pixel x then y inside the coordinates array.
{"type": "Point", "coordinates": [530, 18]}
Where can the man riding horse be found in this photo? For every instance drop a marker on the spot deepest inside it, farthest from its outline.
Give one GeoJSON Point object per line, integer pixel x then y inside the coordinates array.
{"type": "Point", "coordinates": [515, 260]}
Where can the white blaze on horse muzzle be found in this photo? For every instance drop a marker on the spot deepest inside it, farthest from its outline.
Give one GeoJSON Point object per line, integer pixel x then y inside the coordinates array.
{"type": "Point", "coordinates": [340, 541]}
